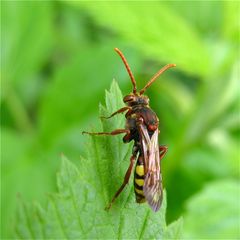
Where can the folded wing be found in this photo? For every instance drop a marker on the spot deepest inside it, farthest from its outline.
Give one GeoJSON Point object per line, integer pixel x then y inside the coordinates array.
{"type": "Point", "coordinates": [152, 187]}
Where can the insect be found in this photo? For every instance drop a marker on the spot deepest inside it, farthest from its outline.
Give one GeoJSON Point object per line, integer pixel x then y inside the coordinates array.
{"type": "Point", "coordinates": [141, 127]}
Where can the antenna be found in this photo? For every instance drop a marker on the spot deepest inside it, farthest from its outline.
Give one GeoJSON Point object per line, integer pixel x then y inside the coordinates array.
{"type": "Point", "coordinates": [128, 69]}
{"type": "Point", "coordinates": [156, 76]}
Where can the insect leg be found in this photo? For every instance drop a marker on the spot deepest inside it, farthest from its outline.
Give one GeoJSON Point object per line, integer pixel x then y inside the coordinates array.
{"type": "Point", "coordinates": [121, 110]}
{"type": "Point", "coordinates": [125, 181]}
{"type": "Point", "coordinates": [162, 151]}
{"type": "Point", "coordinates": [115, 132]}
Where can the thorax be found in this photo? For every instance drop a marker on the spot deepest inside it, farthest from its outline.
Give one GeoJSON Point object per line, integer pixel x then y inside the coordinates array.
{"type": "Point", "coordinates": [146, 113]}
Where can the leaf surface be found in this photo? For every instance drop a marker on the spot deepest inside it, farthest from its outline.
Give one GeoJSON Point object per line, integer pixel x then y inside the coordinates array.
{"type": "Point", "coordinates": [77, 210]}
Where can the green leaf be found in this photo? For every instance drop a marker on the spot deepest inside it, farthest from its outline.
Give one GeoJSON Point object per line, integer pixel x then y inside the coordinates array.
{"type": "Point", "coordinates": [219, 201]}
{"type": "Point", "coordinates": [25, 170]}
{"type": "Point", "coordinates": [77, 210]}
{"type": "Point", "coordinates": [174, 230]}
{"type": "Point", "coordinates": [10, 169]}
{"type": "Point", "coordinates": [155, 29]}
{"type": "Point", "coordinates": [206, 17]}
{"type": "Point", "coordinates": [215, 100]}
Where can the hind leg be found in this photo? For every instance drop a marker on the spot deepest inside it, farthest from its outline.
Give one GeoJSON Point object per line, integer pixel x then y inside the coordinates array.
{"type": "Point", "coordinates": [125, 181]}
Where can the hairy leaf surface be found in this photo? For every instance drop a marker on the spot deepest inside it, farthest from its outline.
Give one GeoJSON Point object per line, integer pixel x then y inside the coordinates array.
{"type": "Point", "coordinates": [77, 210]}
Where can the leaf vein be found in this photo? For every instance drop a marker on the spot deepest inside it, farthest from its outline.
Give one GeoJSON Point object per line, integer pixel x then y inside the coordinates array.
{"type": "Point", "coordinates": [98, 169]}
{"type": "Point", "coordinates": [28, 221]}
{"type": "Point", "coordinates": [41, 222]}
{"type": "Point", "coordinates": [144, 225]}
{"type": "Point", "coordinates": [59, 220]}
{"type": "Point", "coordinates": [75, 204]}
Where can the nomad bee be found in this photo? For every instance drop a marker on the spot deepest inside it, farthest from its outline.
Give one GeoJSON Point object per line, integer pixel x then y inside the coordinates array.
{"type": "Point", "coordinates": [141, 127]}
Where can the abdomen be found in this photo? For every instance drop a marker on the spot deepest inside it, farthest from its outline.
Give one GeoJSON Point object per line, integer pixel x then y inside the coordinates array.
{"type": "Point", "coordinates": [139, 180]}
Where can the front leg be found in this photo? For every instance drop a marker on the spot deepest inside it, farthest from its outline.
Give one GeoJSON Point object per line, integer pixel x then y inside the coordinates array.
{"type": "Point", "coordinates": [162, 151]}
{"type": "Point", "coordinates": [115, 132]}
{"type": "Point", "coordinates": [121, 110]}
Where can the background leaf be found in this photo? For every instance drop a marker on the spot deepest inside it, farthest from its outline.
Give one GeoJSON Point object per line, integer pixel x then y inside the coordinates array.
{"type": "Point", "coordinates": [26, 41]}
{"type": "Point", "coordinates": [166, 42]}
{"type": "Point", "coordinates": [220, 224]}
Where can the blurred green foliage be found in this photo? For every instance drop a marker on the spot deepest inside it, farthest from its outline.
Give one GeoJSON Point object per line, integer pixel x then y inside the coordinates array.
{"type": "Point", "coordinates": [56, 60]}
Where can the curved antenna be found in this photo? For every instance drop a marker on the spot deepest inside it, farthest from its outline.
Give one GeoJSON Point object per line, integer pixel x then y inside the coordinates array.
{"type": "Point", "coordinates": [128, 69]}
{"type": "Point", "coordinates": [156, 76]}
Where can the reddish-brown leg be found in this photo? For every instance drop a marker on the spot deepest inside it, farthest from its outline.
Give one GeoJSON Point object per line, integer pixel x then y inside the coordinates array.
{"type": "Point", "coordinates": [115, 132]}
{"type": "Point", "coordinates": [162, 151]}
{"type": "Point", "coordinates": [125, 181]}
{"type": "Point", "coordinates": [121, 110]}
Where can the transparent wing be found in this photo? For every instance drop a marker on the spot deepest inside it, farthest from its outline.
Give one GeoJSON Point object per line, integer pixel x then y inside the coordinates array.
{"type": "Point", "coordinates": [152, 187]}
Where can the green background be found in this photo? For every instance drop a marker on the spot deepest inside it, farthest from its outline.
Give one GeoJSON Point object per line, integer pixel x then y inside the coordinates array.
{"type": "Point", "coordinates": [57, 59]}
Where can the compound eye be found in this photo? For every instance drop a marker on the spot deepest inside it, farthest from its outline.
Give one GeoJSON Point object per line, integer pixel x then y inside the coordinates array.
{"type": "Point", "coordinates": [128, 98]}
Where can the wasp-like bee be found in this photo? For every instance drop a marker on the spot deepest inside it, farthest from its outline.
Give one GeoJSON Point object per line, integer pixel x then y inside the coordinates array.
{"type": "Point", "coordinates": [141, 127]}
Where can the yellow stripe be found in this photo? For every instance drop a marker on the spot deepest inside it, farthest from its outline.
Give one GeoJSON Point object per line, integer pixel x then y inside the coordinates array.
{"type": "Point", "coordinates": [139, 182]}
{"type": "Point", "coordinates": [139, 191]}
{"type": "Point", "coordinates": [140, 170]}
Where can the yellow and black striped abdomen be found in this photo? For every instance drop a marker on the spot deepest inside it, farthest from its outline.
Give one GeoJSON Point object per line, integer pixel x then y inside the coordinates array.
{"type": "Point", "coordinates": [139, 181]}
